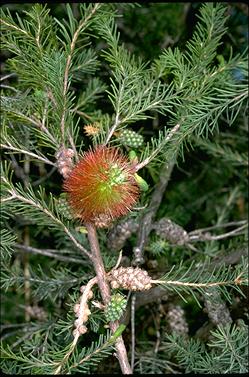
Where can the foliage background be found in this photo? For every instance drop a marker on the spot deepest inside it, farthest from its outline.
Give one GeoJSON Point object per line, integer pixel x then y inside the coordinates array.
{"type": "Point", "coordinates": [208, 186]}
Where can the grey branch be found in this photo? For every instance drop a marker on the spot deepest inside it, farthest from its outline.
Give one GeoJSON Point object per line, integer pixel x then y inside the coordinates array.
{"type": "Point", "coordinates": [28, 153]}
{"type": "Point", "coordinates": [49, 253]}
{"type": "Point", "coordinates": [146, 221]}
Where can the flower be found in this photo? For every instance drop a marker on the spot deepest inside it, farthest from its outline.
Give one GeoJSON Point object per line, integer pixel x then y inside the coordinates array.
{"type": "Point", "coordinates": [101, 184]}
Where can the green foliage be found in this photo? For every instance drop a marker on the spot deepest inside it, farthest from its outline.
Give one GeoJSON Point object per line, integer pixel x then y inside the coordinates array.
{"type": "Point", "coordinates": [147, 82]}
{"type": "Point", "coordinates": [7, 242]}
{"type": "Point", "coordinates": [83, 361]}
{"type": "Point", "coordinates": [226, 352]}
{"type": "Point", "coordinates": [201, 277]}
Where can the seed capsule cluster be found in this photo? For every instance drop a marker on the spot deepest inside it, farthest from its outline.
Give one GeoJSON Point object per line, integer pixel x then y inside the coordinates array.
{"type": "Point", "coordinates": [102, 220]}
{"type": "Point", "coordinates": [82, 311]}
{"type": "Point", "coordinates": [63, 207]}
{"type": "Point", "coordinates": [120, 233]}
{"type": "Point", "coordinates": [176, 319]}
{"type": "Point", "coordinates": [131, 139]}
{"type": "Point", "coordinates": [168, 230]}
{"type": "Point", "coordinates": [133, 279]}
{"type": "Point", "coordinates": [115, 307]}
{"type": "Point", "coordinates": [216, 307]}
{"type": "Point", "coordinates": [65, 161]}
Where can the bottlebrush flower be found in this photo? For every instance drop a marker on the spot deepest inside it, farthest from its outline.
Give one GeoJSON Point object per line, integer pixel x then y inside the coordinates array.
{"type": "Point", "coordinates": [101, 184]}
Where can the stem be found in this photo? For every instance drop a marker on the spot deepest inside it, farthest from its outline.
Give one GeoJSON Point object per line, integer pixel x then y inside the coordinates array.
{"type": "Point", "coordinates": [26, 239]}
{"type": "Point", "coordinates": [26, 152]}
{"type": "Point", "coordinates": [157, 150]}
{"type": "Point", "coordinates": [105, 293]}
{"type": "Point", "coordinates": [237, 281]}
{"type": "Point", "coordinates": [49, 253]}
{"type": "Point", "coordinates": [133, 329]}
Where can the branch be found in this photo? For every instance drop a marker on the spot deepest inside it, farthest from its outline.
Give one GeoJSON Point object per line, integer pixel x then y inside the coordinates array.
{"type": "Point", "coordinates": [209, 237]}
{"type": "Point", "coordinates": [19, 150]}
{"type": "Point", "coordinates": [47, 252]}
{"type": "Point", "coordinates": [147, 297]}
{"type": "Point", "coordinates": [224, 225]}
{"type": "Point", "coordinates": [146, 221]}
{"type": "Point", "coordinates": [236, 281]}
{"type": "Point", "coordinates": [82, 308]}
{"type": "Point", "coordinates": [117, 120]}
{"type": "Point", "coordinates": [105, 293]}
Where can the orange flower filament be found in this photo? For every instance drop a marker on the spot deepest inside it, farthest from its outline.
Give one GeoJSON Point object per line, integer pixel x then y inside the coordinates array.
{"type": "Point", "coordinates": [102, 184]}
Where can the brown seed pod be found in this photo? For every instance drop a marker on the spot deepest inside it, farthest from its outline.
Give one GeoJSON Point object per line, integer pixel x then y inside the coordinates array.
{"type": "Point", "coordinates": [133, 279]}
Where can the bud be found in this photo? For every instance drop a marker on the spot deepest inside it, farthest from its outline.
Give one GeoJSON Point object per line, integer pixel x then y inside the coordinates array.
{"type": "Point", "coordinates": [143, 185]}
{"type": "Point", "coordinates": [115, 307]}
{"type": "Point", "coordinates": [131, 138]}
{"type": "Point", "coordinates": [92, 129]}
{"type": "Point", "coordinates": [63, 207]}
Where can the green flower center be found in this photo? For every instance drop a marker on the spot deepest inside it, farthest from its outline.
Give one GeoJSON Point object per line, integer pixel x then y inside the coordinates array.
{"type": "Point", "coordinates": [115, 176]}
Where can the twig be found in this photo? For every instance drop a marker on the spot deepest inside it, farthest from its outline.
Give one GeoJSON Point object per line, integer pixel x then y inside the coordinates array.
{"type": "Point", "coordinates": [19, 172]}
{"type": "Point", "coordinates": [83, 114]}
{"type": "Point", "coordinates": [231, 223]}
{"type": "Point", "coordinates": [232, 258]}
{"type": "Point", "coordinates": [82, 317]}
{"type": "Point", "coordinates": [133, 339]}
{"type": "Point", "coordinates": [45, 177]}
{"type": "Point", "coordinates": [15, 195]}
{"type": "Point", "coordinates": [2, 78]}
{"type": "Point", "coordinates": [143, 234]}
{"type": "Point", "coordinates": [20, 30]}
{"type": "Point", "coordinates": [115, 125]}
{"type": "Point", "coordinates": [26, 239]}
{"type": "Point", "coordinates": [157, 327]}
{"type": "Point", "coordinates": [28, 153]}
{"type": "Point", "coordinates": [155, 152]}
{"type": "Point", "coordinates": [47, 252]}
{"type": "Point", "coordinates": [118, 261]}
{"type": "Point", "coordinates": [210, 237]}
{"type": "Point", "coordinates": [117, 120]}
{"type": "Point", "coordinates": [105, 293]}
{"type": "Point", "coordinates": [65, 358]}
{"type": "Point", "coordinates": [38, 124]}
{"type": "Point", "coordinates": [8, 87]}
{"type": "Point", "coordinates": [106, 344]}
{"type": "Point", "coordinates": [236, 281]}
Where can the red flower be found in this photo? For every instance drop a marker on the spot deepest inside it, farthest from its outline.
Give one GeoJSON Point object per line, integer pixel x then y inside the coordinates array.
{"type": "Point", "coordinates": [101, 185]}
